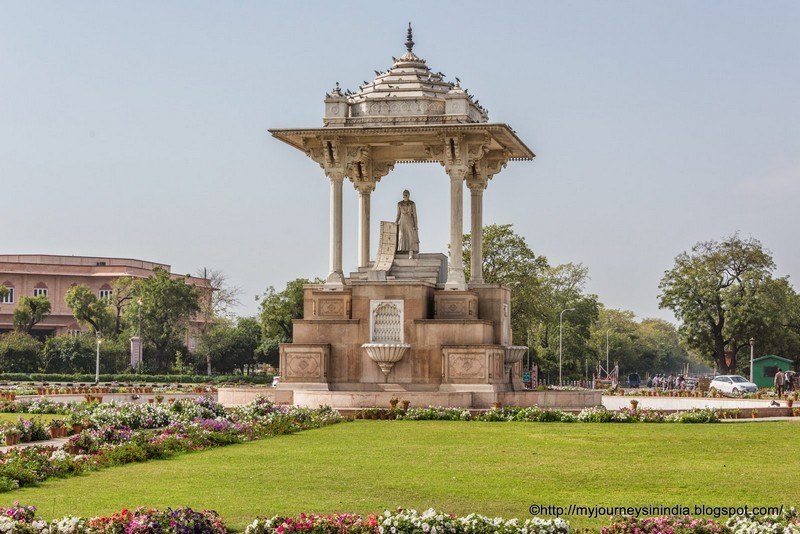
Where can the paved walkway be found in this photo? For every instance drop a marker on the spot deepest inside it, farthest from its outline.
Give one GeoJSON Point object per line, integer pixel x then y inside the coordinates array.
{"type": "Point", "coordinates": [615, 402]}
{"type": "Point", "coordinates": [57, 442]}
{"type": "Point", "coordinates": [760, 419]}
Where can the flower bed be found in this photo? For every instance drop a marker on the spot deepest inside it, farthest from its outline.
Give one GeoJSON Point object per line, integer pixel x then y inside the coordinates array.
{"type": "Point", "coordinates": [787, 522]}
{"type": "Point", "coordinates": [25, 430]}
{"type": "Point", "coordinates": [543, 415]}
{"type": "Point", "coordinates": [22, 519]}
{"type": "Point", "coordinates": [405, 521]}
{"type": "Point", "coordinates": [120, 434]}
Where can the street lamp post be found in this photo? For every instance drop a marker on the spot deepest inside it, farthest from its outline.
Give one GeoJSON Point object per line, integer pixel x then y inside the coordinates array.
{"type": "Point", "coordinates": [752, 346]}
{"type": "Point", "coordinates": [139, 313]}
{"type": "Point", "coordinates": [528, 351]}
{"type": "Point", "coordinates": [97, 363]}
{"type": "Point", "coordinates": [607, 362]}
{"type": "Point", "coordinates": [560, 338]}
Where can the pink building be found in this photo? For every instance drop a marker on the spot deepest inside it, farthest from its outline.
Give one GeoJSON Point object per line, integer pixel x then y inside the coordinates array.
{"type": "Point", "coordinates": [52, 276]}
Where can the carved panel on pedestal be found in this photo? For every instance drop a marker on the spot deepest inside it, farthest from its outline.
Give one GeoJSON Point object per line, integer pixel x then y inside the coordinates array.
{"type": "Point", "coordinates": [467, 366]}
{"type": "Point", "coordinates": [328, 305]}
{"type": "Point", "coordinates": [304, 362]}
{"type": "Point", "coordinates": [331, 307]}
{"type": "Point", "coordinates": [386, 321]}
{"type": "Point", "coordinates": [303, 365]}
{"type": "Point", "coordinates": [455, 305]}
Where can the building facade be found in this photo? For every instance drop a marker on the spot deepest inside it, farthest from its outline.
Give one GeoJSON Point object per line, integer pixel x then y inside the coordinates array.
{"type": "Point", "coordinates": [52, 276]}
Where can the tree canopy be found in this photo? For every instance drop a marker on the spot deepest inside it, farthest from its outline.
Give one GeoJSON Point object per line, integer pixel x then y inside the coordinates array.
{"type": "Point", "coordinates": [724, 293]}
{"type": "Point", "coordinates": [167, 304]}
{"type": "Point", "coordinates": [30, 311]}
{"type": "Point", "coordinates": [89, 310]}
{"type": "Point", "coordinates": [539, 292]}
{"type": "Point", "coordinates": [278, 310]}
{"type": "Point", "coordinates": [231, 346]}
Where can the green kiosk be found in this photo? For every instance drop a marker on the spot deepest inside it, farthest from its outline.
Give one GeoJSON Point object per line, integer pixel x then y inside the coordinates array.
{"type": "Point", "coordinates": [765, 367]}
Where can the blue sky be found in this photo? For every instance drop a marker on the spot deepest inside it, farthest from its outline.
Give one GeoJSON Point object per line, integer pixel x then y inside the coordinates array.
{"type": "Point", "coordinates": [140, 130]}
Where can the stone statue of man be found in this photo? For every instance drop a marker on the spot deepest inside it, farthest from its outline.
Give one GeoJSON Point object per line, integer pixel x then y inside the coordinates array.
{"type": "Point", "coordinates": [407, 229]}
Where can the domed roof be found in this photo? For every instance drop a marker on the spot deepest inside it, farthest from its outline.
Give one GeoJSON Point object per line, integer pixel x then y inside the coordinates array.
{"type": "Point", "coordinates": [408, 93]}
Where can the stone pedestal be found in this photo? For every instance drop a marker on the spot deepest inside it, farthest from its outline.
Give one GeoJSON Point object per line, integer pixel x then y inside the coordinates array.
{"type": "Point", "coordinates": [455, 305]}
{"type": "Point", "coordinates": [305, 363]}
{"type": "Point", "coordinates": [320, 304]}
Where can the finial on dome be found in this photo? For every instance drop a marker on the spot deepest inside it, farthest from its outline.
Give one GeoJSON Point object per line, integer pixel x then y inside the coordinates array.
{"type": "Point", "coordinates": [409, 40]}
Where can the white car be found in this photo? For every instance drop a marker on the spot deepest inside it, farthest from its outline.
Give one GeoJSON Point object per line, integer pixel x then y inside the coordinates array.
{"type": "Point", "coordinates": [734, 384]}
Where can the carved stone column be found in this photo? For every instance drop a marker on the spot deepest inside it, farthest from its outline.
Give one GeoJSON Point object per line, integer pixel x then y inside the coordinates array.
{"type": "Point", "coordinates": [335, 278]}
{"type": "Point", "coordinates": [364, 195]}
{"type": "Point", "coordinates": [455, 272]}
{"type": "Point", "coordinates": [476, 188]}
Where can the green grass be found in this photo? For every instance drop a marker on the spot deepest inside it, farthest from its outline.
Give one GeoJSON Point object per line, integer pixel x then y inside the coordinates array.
{"type": "Point", "coordinates": [13, 417]}
{"type": "Point", "coordinates": [460, 467]}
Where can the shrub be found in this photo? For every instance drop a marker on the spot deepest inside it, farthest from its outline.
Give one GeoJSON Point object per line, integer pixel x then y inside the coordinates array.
{"type": "Point", "coordinates": [20, 352]}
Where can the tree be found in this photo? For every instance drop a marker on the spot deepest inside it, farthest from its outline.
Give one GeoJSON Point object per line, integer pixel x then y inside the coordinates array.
{"type": "Point", "coordinates": [224, 298]}
{"type": "Point", "coordinates": [121, 295]}
{"type": "Point", "coordinates": [166, 305]}
{"type": "Point", "coordinates": [231, 347]}
{"type": "Point", "coordinates": [649, 345]}
{"type": "Point", "coordinates": [278, 310]}
{"type": "Point", "coordinates": [20, 353]}
{"type": "Point", "coordinates": [508, 260]}
{"type": "Point", "coordinates": [722, 292]}
{"type": "Point", "coordinates": [69, 354]}
{"type": "Point", "coordinates": [539, 292]}
{"type": "Point", "coordinates": [90, 310]}
{"type": "Point", "coordinates": [30, 311]}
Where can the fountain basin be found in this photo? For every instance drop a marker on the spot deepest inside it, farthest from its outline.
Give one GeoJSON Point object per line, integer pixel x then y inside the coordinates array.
{"type": "Point", "coordinates": [386, 354]}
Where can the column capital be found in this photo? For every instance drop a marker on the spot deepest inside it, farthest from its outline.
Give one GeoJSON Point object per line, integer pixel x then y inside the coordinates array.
{"type": "Point", "coordinates": [477, 184]}
{"type": "Point", "coordinates": [456, 172]}
{"type": "Point", "coordinates": [335, 174]}
{"type": "Point", "coordinates": [365, 187]}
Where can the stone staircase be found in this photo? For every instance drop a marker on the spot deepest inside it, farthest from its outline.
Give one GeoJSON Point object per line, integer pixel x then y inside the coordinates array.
{"type": "Point", "coordinates": [430, 267]}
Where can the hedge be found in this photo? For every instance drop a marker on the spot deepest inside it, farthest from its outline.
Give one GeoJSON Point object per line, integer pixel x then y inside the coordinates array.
{"type": "Point", "coordinates": [137, 378]}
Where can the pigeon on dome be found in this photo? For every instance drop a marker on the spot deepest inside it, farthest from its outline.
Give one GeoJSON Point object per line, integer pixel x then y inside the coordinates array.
{"type": "Point", "coordinates": [409, 92]}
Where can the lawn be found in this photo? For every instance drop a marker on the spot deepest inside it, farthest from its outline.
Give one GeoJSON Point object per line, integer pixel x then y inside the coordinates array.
{"type": "Point", "coordinates": [13, 417]}
{"type": "Point", "coordinates": [460, 467]}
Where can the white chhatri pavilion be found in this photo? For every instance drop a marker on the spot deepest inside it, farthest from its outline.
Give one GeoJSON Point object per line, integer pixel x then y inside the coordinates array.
{"type": "Point", "coordinates": [407, 114]}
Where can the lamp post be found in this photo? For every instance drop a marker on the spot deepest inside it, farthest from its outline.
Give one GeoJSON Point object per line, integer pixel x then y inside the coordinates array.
{"type": "Point", "coordinates": [752, 346]}
{"type": "Point", "coordinates": [560, 338]}
{"type": "Point", "coordinates": [139, 313]}
{"type": "Point", "coordinates": [97, 363]}
{"type": "Point", "coordinates": [528, 350]}
{"type": "Point", "coordinates": [607, 362]}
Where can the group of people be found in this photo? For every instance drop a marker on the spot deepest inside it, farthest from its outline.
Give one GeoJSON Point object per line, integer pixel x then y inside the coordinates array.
{"type": "Point", "coordinates": [783, 381]}
{"type": "Point", "coordinates": [662, 381]}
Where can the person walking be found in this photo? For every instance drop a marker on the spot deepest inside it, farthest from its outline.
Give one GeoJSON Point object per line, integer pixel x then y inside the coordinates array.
{"type": "Point", "coordinates": [780, 380]}
{"type": "Point", "coordinates": [788, 381]}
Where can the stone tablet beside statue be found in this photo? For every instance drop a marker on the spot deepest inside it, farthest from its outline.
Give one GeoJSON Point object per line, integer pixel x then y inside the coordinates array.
{"type": "Point", "coordinates": [407, 226]}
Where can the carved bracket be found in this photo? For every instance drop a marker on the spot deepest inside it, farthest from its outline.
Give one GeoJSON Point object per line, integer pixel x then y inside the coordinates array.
{"type": "Point", "coordinates": [484, 170]}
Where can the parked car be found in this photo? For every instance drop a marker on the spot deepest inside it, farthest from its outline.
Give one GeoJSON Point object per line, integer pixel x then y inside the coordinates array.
{"type": "Point", "coordinates": [634, 380]}
{"type": "Point", "coordinates": [734, 384]}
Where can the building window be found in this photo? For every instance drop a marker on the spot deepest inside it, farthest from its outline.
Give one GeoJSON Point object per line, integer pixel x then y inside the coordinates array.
{"type": "Point", "coordinates": [8, 298]}
{"type": "Point", "coordinates": [770, 371]}
{"type": "Point", "coordinates": [106, 293]}
{"type": "Point", "coordinates": [39, 291]}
